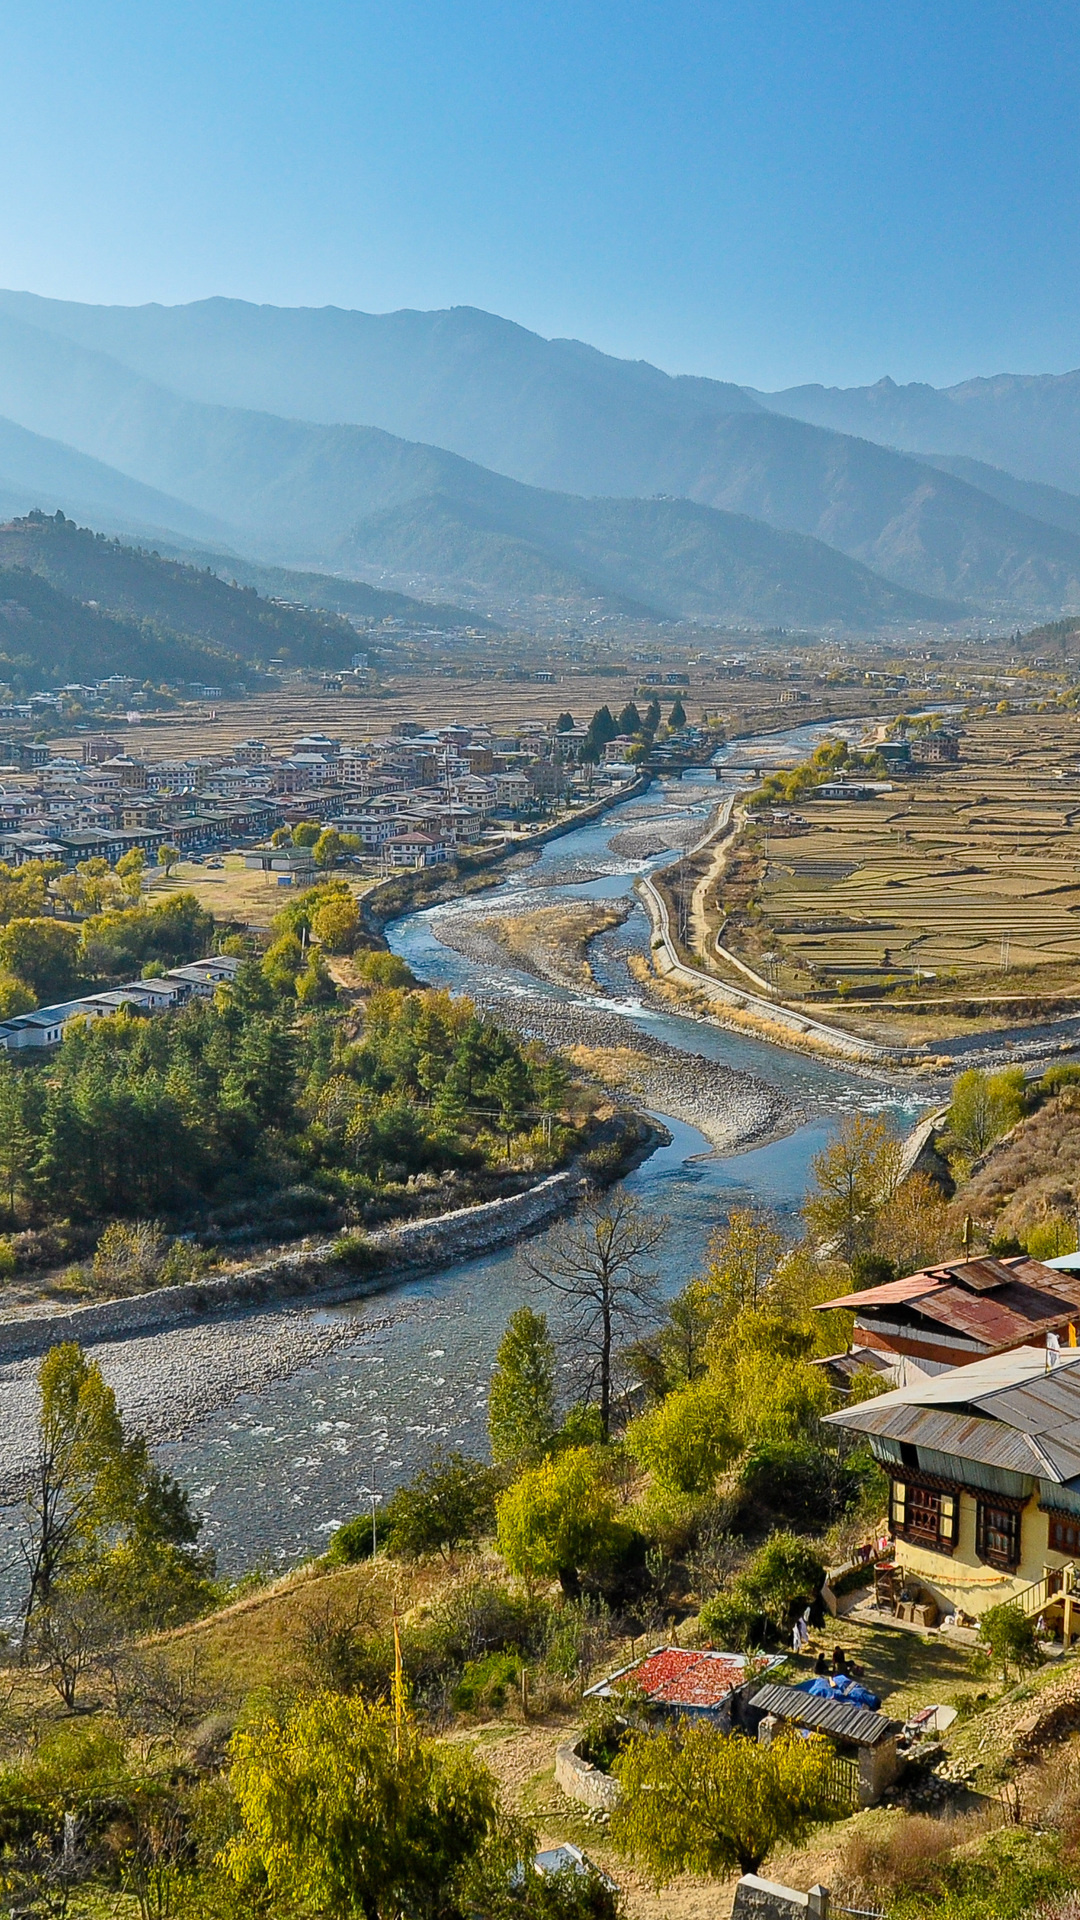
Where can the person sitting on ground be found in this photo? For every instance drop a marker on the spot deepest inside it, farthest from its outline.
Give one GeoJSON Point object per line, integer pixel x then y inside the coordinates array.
{"type": "Point", "coordinates": [821, 1665]}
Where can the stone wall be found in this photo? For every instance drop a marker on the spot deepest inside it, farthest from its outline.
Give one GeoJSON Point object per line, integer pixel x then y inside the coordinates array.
{"type": "Point", "coordinates": [412, 1247]}
{"type": "Point", "coordinates": [580, 1780]}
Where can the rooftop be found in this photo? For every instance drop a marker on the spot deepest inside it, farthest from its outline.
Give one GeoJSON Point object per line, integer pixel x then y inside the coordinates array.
{"type": "Point", "coordinates": [1010, 1410]}
{"type": "Point", "coordinates": [859, 1724]}
{"type": "Point", "coordinates": [997, 1303]}
{"type": "Point", "coordinates": [683, 1677]}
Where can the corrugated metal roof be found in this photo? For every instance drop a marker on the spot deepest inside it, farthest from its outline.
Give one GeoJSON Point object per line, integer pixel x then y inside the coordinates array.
{"type": "Point", "coordinates": [996, 1302]}
{"type": "Point", "coordinates": [1008, 1411]}
{"type": "Point", "coordinates": [892, 1294]}
{"type": "Point", "coordinates": [968, 1438]}
{"type": "Point", "coordinates": [858, 1724]}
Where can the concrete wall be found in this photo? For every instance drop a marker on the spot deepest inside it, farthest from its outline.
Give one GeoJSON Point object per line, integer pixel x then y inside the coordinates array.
{"type": "Point", "coordinates": [767, 1900]}
{"type": "Point", "coordinates": [410, 1248]}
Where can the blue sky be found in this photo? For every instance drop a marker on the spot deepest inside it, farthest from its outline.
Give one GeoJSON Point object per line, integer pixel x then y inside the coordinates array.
{"type": "Point", "coordinates": [766, 193]}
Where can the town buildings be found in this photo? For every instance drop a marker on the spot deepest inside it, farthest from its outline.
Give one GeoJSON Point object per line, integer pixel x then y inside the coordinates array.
{"type": "Point", "coordinates": [412, 799]}
{"type": "Point", "coordinates": [984, 1474]}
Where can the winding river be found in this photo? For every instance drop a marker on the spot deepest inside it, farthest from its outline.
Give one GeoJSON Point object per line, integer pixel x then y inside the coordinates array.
{"type": "Point", "coordinates": [273, 1472]}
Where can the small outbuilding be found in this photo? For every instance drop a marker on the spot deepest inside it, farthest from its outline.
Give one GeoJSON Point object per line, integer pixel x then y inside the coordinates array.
{"type": "Point", "coordinates": [693, 1682]}
{"type": "Point", "coordinates": [859, 1734]}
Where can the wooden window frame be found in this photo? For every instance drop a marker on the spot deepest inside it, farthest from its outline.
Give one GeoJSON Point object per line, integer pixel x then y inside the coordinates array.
{"type": "Point", "coordinates": [1056, 1521]}
{"type": "Point", "coordinates": [988, 1520]}
{"type": "Point", "coordinates": [943, 1502]}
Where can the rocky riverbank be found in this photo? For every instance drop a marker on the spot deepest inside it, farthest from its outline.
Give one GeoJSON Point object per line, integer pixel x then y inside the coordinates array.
{"type": "Point", "coordinates": [550, 942]}
{"type": "Point", "coordinates": [732, 1109]}
{"type": "Point", "coordinates": [168, 1377]}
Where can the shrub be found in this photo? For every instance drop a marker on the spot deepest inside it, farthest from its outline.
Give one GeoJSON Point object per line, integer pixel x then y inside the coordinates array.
{"type": "Point", "coordinates": [384, 970]}
{"type": "Point", "coordinates": [357, 1253]}
{"type": "Point", "coordinates": [451, 1500]}
{"type": "Point", "coordinates": [730, 1620]}
{"type": "Point", "coordinates": [687, 1440]}
{"type": "Point", "coordinates": [785, 1571]}
{"type": "Point", "coordinates": [1010, 1638]}
{"type": "Point", "coordinates": [1050, 1237]}
{"type": "Point", "coordinates": [484, 1684]}
{"type": "Point", "coordinates": [558, 1520]}
{"type": "Point", "coordinates": [905, 1857]}
{"type": "Point", "coordinates": [604, 1735]}
{"type": "Point", "coordinates": [129, 1256]}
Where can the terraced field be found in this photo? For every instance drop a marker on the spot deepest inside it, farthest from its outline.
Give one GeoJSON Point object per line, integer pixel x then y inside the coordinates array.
{"type": "Point", "coordinates": [968, 874]}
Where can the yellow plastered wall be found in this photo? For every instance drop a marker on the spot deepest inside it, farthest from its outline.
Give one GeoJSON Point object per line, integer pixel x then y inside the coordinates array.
{"type": "Point", "coordinates": [962, 1580]}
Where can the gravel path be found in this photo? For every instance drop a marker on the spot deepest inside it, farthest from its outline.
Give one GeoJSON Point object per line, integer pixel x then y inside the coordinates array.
{"type": "Point", "coordinates": [166, 1380]}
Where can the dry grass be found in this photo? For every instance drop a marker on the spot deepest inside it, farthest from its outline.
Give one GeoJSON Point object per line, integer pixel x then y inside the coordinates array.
{"type": "Point", "coordinates": [234, 892]}
{"type": "Point", "coordinates": [1032, 1174]}
{"type": "Point", "coordinates": [622, 1067]}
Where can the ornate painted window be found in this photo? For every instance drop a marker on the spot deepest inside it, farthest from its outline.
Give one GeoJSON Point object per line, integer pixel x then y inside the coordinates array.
{"type": "Point", "coordinates": [926, 1516]}
{"type": "Point", "coordinates": [997, 1535]}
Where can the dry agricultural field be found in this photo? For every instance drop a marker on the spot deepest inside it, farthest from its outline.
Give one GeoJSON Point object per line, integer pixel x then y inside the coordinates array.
{"type": "Point", "coordinates": [964, 877]}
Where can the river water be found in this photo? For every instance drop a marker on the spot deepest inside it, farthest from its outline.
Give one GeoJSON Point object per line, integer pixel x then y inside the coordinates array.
{"type": "Point", "coordinates": [274, 1472]}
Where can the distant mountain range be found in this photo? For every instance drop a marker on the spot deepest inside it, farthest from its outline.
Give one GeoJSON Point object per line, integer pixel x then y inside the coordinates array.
{"type": "Point", "coordinates": [457, 453]}
{"type": "Point", "coordinates": [1026, 423]}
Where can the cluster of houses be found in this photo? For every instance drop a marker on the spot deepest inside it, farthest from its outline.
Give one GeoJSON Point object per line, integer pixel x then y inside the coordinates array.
{"type": "Point", "coordinates": [978, 1431]}
{"type": "Point", "coordinates": [410, 800]}
{"type": "Point", "coordinates": [979, 1435]}
{"type": "Point", "coordinates": [45, 1026]}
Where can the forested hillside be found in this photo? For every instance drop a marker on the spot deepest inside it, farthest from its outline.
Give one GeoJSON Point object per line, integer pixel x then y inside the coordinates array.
{"type": "Point", "coordinates": [77, 607]}
{"type": "Point", "coordinates": [47, 639]}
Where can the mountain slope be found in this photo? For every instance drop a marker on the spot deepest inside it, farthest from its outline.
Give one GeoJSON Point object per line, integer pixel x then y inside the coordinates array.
{"type": "Point", "coordinates": [44, 473]}
{"type": "Point", "coordinates": [295, 491]}
{"type": "Point", "coordinates": [171, 597]}
{"type": "Point", "coordinates": [1052, 505]}
{"type": "Point", "coordinates": [48, 638]}
{"type": "Point", "coordinates": [1027, 423]}
{"type": "Point", "coordinates": [551, 413]}
{"type": "Point", "coordinates": [222, 602]}
{"type": "Point", "coordinates": [681, 560]}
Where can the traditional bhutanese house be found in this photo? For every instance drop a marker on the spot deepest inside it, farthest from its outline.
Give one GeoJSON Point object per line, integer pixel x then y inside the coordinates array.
{"type": "Point", "coordinates": [984, 1471]}
{"type": "Point", "coordinates": [961, 1311]}
{"type": "Point", "coordinates": [690, 1682]}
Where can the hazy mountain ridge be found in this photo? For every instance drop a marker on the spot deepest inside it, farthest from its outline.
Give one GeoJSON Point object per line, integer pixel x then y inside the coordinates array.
{"type": "Point", "coordinates": [679, 559]}
{"type": "Point", "coordinates": [44, 473]}
{"type": "Point", "coordinates": [293, 491]}
{"type": "Point", "coordinates": [1027, 423]}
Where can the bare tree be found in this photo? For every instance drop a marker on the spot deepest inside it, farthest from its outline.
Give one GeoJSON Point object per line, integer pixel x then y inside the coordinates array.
{"type": "Point", "coordinates": [74, 1635]}
{"type": "Point", "coordinates": [596, 1263]}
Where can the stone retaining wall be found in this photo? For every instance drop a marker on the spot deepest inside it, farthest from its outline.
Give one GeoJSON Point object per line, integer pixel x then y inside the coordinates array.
{"type": "Point", "coordinates": [580, 1780]}
{"type": "Point", "coordinates": [409, 1248]}
{"type": "Point", "coordinates": [432, 885]}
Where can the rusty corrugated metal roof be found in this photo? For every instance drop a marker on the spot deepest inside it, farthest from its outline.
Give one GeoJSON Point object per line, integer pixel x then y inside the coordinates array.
{"type": "Point", "coordinates": [861, 1725]}
{"type": "Point", "coordinates": [995, 1302]}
